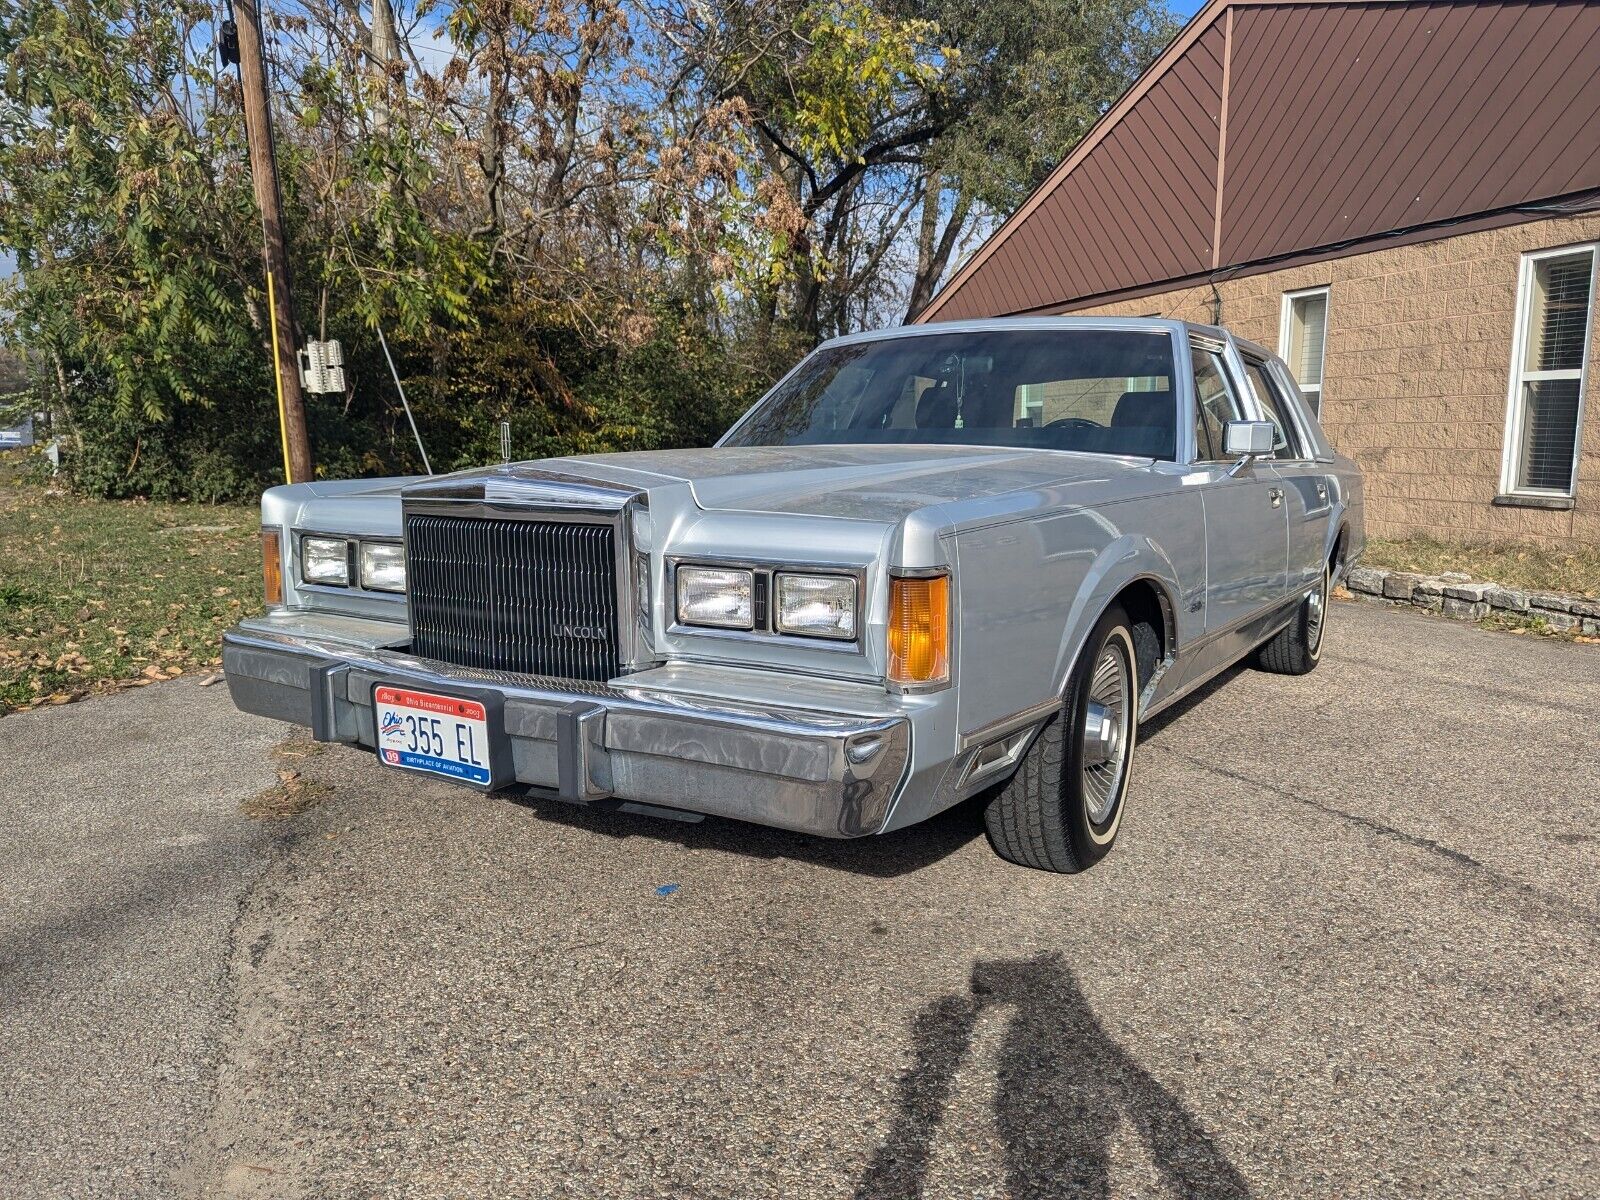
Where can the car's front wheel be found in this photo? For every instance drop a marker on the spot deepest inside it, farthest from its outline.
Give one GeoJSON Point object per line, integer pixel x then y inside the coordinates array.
{"type": "Point", "coordinates": [1062, 808]}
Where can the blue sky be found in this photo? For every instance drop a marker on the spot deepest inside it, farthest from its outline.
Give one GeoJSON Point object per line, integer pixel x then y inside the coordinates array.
{"type": "Point", "coordinates": [1186, 8]}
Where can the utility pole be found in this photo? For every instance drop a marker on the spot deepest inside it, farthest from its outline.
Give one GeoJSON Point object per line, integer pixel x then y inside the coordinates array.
{"type": "Point", "coordinates": [264, 175]}
{"type": "Point", "coordinates": [385, 49]}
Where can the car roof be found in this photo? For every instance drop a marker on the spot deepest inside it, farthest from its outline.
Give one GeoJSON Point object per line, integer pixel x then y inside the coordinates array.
{"type": "Point", "coordinates": [1003, 324]}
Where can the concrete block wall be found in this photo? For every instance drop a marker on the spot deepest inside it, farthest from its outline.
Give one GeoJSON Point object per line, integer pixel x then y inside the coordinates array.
{"type": "Point", "coordinates": [1417, 373]}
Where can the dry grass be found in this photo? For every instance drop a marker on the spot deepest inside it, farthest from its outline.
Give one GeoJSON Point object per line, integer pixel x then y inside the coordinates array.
{"type": "Point", "coordinates": [289, 797]}
{"type": "Point", "coordinates": [293, 794]}
{"type": "Point", "coordinates": [1531, 567]}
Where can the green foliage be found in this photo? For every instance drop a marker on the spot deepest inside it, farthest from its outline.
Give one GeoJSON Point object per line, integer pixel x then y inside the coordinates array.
{"type": "Point", "coordinates": [225, 450]}
{"type": "Point", "coordinates": [124, 216]}
{"type": "Point", "coordinates": [859, 63]}
{"type": "Point", "coordinates": [609, 222]}
{"type": "Point", "coordinates": [670, 382]}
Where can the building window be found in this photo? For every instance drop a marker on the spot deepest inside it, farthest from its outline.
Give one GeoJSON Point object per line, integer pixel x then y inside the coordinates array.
{"type": "Point", "coordinates": [1555, 306]}
{"type": "Point", "coordinates": [1302, 338]}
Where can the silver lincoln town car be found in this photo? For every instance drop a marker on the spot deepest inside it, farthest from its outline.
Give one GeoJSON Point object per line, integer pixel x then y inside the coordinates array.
{"type": "Point", "coordinates": [931, 563]}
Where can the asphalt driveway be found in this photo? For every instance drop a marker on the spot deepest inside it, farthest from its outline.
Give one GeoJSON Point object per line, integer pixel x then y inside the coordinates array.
{"type": "Point", "coordinates": [1348, 945]}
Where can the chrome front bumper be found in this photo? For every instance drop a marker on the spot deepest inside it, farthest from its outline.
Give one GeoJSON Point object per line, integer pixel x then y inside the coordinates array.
{"type": "Point", "coordinates": [667, 738]}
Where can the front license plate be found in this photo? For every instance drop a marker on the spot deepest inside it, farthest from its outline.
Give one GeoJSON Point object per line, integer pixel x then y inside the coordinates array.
{"type": "Point", "coordinates": [440, 735]}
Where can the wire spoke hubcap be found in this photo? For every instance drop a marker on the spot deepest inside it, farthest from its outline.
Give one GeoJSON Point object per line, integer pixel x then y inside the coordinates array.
{"type": "Point", "coordinates": [1316, 614]}
{"type": "Point", "coordinates": [1105, 732]}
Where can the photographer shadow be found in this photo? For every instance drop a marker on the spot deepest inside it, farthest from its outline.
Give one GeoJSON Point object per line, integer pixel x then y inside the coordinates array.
{"type": "Point", "coordinates": [1064, 1088]}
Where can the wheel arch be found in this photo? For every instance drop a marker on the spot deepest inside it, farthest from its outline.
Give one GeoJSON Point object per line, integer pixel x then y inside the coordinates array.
{"type": "Point", "coordinates": [1140, 578]}
{"type": "Point", "coordinates": [1337, 551]}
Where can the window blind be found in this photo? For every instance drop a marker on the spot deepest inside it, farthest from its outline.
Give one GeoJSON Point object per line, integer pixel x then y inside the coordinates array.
{"type": "Point", "coordinates": [1310, 329]}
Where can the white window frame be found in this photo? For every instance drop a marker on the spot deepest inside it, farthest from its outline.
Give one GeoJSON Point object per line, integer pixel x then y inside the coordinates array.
{"type": "Point", "coordinates": [1286, 323]}
{"type": "Point", "coordinates": [1519, 351]}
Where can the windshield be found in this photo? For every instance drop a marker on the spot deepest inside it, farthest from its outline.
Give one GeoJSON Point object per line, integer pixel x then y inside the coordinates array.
{"type": "Point", "coordinates": [1104, 391]}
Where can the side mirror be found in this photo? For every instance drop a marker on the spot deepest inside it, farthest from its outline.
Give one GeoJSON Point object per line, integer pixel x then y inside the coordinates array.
{"type": "Point", "coordinates": [1252, 439]}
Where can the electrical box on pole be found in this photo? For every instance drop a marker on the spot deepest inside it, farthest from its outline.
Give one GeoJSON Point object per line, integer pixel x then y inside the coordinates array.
{"type": "Point", "coordinates": [322, 367]}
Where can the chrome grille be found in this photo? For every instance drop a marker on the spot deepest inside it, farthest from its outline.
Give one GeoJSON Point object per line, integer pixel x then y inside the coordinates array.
{"type": "Point", "coordinates": [533, 597]}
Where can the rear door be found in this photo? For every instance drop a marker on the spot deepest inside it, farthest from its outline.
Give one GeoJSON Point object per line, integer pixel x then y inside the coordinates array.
{"type": "Point", "coordinates": [1246, 522]}
{"type": "Point", "coordinates": [1309, 487]}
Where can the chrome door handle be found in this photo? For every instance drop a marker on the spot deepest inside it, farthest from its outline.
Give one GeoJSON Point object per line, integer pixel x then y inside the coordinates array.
{"type": "Point", "coordinates": [1322, 491]}
{"type": "Point", "coordinates": [1276, 495]}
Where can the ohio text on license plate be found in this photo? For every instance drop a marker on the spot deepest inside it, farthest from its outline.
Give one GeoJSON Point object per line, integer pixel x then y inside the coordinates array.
{"type": "Point", "coordinates": [424, 731]}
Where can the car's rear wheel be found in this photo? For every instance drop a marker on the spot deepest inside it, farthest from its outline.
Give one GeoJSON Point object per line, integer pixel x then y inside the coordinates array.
{"type": "Point", "coordinates": [1296, 649]}
{"type": "Point", "coordinates": [1063, 807]}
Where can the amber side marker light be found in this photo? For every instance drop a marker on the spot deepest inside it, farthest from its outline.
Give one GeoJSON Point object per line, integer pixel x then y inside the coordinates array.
{"type": "Point", "coordinates": [272, 565]}
{"type": "Point", "coordinates": [919, 630]}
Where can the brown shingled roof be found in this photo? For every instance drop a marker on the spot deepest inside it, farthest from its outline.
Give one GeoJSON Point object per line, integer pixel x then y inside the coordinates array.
{"type": "Point", "coordinates": [1275, 130]}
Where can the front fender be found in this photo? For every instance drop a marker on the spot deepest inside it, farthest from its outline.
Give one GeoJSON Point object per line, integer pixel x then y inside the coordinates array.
{"type": "Point", "coordinates": [1032, 590]}
{"type": "Point", "coordinates": [1126, 561]}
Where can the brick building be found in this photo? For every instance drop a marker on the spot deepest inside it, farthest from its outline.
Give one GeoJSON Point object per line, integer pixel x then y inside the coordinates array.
{"type": "Point", "coordinates": [1402, 198]}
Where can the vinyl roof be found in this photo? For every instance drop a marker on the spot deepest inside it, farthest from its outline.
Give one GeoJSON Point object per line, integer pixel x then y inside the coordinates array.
{"type": "Point", "coordinates": [1279, 130]}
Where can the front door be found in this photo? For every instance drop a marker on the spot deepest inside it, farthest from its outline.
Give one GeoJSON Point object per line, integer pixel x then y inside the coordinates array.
{"type": "Point", "coordinates": [1247, 528]}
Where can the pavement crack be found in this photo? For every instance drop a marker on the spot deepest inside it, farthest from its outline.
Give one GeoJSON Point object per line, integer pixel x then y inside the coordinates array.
{"type": "Point", "coordinates": [240, 1152]}
{"type": "Point", "coordinates": [1457, 859]}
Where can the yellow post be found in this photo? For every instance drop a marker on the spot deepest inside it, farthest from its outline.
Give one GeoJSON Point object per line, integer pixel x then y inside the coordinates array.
{"type": "Point", "coordinates": [277, 375]}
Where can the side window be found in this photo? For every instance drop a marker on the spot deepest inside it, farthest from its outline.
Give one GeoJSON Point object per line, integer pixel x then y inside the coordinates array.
{"type": "Point", "coordinates": [1216, 402]}
{"type": "Point", "coordinates": [1286, 441]}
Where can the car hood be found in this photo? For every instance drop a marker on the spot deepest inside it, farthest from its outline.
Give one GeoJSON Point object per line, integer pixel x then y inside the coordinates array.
{"type": "Point", "coordinates": [873, 483]}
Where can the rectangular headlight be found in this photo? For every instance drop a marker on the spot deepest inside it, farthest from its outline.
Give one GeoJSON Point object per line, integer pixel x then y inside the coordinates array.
{"type": "Point", "coordinates": [325, 560]}
{"type": "Point", "coordinates": [383, 567]}
{"type": "Point", "coordinates": [817, 605]}
{"type": "Point", "coordinates": [716, 596]}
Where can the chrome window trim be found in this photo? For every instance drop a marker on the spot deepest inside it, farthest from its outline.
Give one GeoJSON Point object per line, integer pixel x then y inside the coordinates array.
{"type": "Point", "coordinates": [1232, 373]}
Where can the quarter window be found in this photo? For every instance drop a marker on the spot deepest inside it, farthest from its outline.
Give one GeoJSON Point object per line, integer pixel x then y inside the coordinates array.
{"type": "Point", "coordinates": [1215, 401]}
{"type": "Point", "coordinates": [1302, 340]}
{"type": "Point", "coordinates": [1285, 439]}
{"type": "Point", "coordinates": [1555, 307]}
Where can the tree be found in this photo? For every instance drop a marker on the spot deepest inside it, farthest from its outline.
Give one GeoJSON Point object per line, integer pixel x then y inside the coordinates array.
{"type": "Point", "coordinates": [869, 117]}
{"type": "Point", "coordinates": [833, 92]}
{"type": "Point", "coordinates": [1031, 78]}
{"type": "Point", "coordinates": [126, 201]}
{"type": "Point", "coordinates": [610, 222]}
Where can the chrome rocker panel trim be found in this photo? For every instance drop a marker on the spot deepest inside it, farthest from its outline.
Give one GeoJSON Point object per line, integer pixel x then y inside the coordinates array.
{"type": "Point", "coordinates": [814, 772]}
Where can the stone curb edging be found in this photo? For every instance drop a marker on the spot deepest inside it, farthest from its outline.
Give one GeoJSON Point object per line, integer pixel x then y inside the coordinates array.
{"type": "Point", "coordinates": [1456, 595]}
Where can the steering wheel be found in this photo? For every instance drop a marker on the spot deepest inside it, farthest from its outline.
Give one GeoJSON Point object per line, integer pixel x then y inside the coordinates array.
{"type": "Point", "coordinates": [1073, 423]}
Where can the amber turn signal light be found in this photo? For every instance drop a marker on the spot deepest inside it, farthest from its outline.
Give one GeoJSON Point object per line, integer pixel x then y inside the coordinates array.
{"type": "Point", "coordinates": [272, 566]}
{"type": "Point", "coordinates": [919, 630]}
